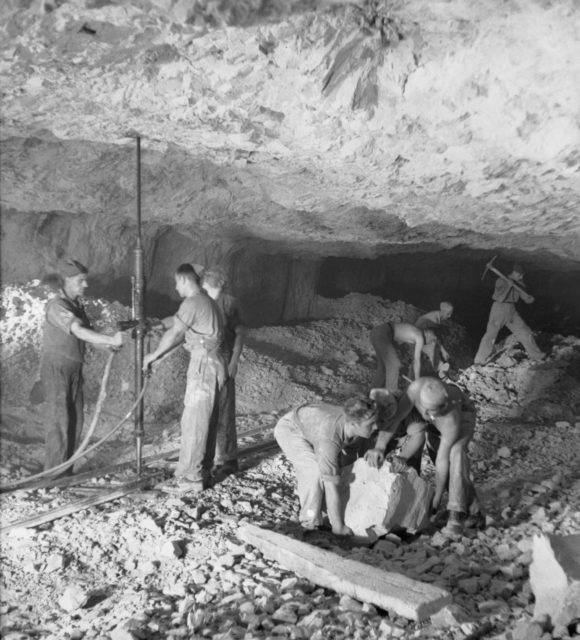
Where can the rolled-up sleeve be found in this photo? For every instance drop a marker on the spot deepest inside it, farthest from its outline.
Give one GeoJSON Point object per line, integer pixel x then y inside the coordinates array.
{"type": "Point", "coordinates": [328, 456]}
{"type": "Point", "coordinates": [59, 316]}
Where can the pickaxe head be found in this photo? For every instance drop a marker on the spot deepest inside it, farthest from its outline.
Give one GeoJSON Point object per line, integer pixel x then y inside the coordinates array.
{"type": "Point", "coordinates": [488, 266]}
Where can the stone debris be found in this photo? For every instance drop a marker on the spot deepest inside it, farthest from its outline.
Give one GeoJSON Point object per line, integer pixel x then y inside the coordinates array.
{"type": "Point", "coordinates": [222, 587]}
{"type": "Point", "coordinates": [378, 500]}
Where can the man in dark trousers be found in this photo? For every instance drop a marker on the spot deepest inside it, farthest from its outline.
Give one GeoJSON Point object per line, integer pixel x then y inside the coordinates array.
{"type": "Point", "coordinates": [226, 458]}
{"type": "Point", "coordinates": [503, 313]}
{"type": "Point", "coordinates": [66, 329]}
{"type": "Point", "coordinates": [443, 419]}
{"type": "Point", "coordinates": [198, 324]}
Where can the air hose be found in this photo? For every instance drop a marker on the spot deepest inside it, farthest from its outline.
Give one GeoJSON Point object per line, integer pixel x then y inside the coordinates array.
{"type": "Point", "coordinates": [82, 449]}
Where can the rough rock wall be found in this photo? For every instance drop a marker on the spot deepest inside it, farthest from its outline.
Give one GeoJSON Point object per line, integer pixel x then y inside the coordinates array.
{"type": "Point", "coordinates": [359, 126]}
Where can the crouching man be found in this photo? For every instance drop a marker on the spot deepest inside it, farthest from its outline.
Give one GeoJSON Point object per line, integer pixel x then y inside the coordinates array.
{"type": "Point", "coordinates": [313, 437]}
{"type": "Point", "coordinates": [445, 421]}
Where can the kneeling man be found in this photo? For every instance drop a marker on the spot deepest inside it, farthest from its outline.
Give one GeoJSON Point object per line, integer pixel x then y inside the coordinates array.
{"type": "Point", "coordinates": [448, 424]}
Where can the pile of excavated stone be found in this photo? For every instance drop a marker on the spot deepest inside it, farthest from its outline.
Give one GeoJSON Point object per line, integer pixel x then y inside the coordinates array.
{"type": "Point", "coordinates": [159, 567]}
{"type": "Point", "coordinates": [152, 566]}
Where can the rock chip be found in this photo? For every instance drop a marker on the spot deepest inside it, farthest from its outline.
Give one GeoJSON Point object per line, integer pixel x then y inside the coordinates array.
{"type": "Point", "coordinates": [74, 597]}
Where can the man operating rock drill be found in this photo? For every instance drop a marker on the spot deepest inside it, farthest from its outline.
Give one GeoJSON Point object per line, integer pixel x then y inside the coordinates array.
{"type": "Point", "coordinates": [503, 313]}
{"type": "Point", "coordinates": [445, 424]}
{"type": "Point", "coordinates": [198, 324]}
{"type": "Point", "coordinates": [66, 329]}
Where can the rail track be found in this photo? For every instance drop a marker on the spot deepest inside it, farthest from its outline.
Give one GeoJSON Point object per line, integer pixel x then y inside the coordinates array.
{"type": "Point", "coordinates": [103, 493]}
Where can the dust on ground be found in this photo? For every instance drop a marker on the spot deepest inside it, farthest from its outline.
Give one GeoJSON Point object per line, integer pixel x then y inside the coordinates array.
{"type": "Point", "coordinates": [152, 566]}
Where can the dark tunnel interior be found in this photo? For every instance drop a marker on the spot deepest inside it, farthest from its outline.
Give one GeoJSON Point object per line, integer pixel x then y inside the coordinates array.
{"type": "Point", "coordinates": [276, 287]}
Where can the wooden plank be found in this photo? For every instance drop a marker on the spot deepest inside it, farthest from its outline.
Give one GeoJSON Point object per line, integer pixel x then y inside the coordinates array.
{"type": "Point", "coordinates": [391, 591]}
{"type": "Point", "coordinates": [79, 505]}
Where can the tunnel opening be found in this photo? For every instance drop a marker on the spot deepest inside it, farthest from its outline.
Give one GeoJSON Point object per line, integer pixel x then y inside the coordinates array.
{"type": "Point", "coordinates": [424, 279]}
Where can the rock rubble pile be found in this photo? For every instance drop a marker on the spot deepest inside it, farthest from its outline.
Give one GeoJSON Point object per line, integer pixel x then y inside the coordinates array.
{"type": "Point", "coordinates": [152, 566]}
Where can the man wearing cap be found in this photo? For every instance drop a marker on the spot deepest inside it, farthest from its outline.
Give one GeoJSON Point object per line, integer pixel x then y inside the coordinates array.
{"type": "Point", "coordinates": [214, 282]}
{"type": "Point", "coordinates": [384, 339]}
{"type": "Point", "coordinates": [198, 325]}
{"type": "Point", "coordinates": [313, 437]}
{"type": "Point", "coordinates": [445, 424]}
{"type": "Point", "coordinates": [503, 313]}
{"type": "Point", "coordinates": [66, 329]}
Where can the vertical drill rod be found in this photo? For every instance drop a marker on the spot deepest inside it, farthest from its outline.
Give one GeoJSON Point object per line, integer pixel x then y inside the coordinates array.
{"type": "Point", "coordinates": [138, 314]}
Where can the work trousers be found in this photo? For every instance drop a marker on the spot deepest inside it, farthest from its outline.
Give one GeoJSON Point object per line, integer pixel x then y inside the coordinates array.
{"type": "Point", "coordinates": [226, 451]}
{"type": "Point", "coordinates": [388, 362]}
{"type": "Point", "coordinates": [462, 494]}
{"type": "Point", "coordinates": [200, 417]}
{"type": "Point", "coordinates": [300, 452]}
{"type": "Point", "coordinates": [504, 314]}
{"type": "Point", "coordinates": [62, 380]}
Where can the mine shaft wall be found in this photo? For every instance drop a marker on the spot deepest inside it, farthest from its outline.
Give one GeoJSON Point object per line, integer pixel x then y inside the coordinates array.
{"type": "Point", "coordinates": [275, 284]}
{"type": "Point", "coordinates": [426, 278]}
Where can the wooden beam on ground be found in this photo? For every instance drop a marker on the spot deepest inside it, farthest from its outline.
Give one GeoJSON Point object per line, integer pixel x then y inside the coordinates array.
{"type": "Point", "coordinates": [80, 505]}
{"type": "Point", "coordinates": [391, 591]}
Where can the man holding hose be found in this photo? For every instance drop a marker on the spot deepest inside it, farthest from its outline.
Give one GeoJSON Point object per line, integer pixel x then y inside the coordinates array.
{"type": "Point", "coordinates": [66, 329]}
{"type": "Point", "coordinates": [197, 324]}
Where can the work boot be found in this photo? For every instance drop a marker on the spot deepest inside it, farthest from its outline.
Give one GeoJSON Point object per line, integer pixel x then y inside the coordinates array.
{"type": "Point", "coordinates": [476, 521]}
{"type": "Point", "coordinates": [226, 468]}
{"type": "Point", "coordinates": [182, 486]}
{"type": "Point", "coordinates": [455, 524]}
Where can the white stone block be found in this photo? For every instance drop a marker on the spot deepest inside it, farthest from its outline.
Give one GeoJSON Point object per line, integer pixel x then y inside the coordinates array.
{"type": "Point", "coordinates": [378, 500]}
{"type": "Point", "coordinates": [555, 577]}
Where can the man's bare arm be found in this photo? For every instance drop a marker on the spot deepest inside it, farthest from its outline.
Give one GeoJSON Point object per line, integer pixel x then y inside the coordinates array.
{"type": "Point", "coordinates": [172, 337]}
{"type": "Point", "coordinates": [374, 457]}
{"type": "Point", "coordinates": [419, 344]}
{"type": "Point", "coordinates": [93, 337]}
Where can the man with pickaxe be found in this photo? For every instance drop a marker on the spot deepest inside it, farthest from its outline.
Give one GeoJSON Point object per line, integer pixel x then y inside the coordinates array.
{"type": "Point", "coordinates": [508, 290]}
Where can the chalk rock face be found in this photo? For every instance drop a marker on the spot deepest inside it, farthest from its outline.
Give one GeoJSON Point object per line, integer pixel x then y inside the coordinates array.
{"type": "Point", "coordinates": [555, 577]}
{"type": "Point", "coordinates": [378, 500]}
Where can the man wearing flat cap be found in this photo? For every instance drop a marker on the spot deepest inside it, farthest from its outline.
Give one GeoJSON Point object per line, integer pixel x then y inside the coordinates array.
{"type": "Point", "coordinates": [442, 418]}
{"type": "Point", "coordinates": [503, 313]}
{"type": "Point", "coordinates": [66, 329]}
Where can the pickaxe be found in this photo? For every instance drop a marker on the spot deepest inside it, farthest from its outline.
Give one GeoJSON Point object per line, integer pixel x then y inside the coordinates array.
{"type": "Point", "coordinates": [489, 267]}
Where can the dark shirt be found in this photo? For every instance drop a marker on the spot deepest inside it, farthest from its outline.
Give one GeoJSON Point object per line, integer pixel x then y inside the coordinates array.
{"type": "Point", "coordinates": [58, 341]}
{"type": "Point", "coordinates": [232, 320]}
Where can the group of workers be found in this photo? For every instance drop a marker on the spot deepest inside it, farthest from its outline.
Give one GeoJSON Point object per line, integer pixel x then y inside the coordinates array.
{"type": "Point", "coordinates": [430, 414]}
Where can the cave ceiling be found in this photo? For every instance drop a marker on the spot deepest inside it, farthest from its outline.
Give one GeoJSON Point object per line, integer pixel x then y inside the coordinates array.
{"type": "Point", "coordinates": [337, 128]}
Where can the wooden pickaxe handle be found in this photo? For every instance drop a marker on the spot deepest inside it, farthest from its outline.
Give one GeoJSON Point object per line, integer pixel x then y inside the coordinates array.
{"type": "Point", "coordinates": [489, 267]}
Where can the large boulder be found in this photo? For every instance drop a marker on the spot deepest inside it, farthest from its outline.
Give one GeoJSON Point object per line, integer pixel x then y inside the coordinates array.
{"type": "Point", "coordinates": [378, 500]}
{"type": "Point", "coordinates": [555, 577]}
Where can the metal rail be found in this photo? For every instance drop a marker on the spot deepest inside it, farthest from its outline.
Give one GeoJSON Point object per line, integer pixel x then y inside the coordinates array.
{"type": "Point", "coordinates": [85, 503]}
